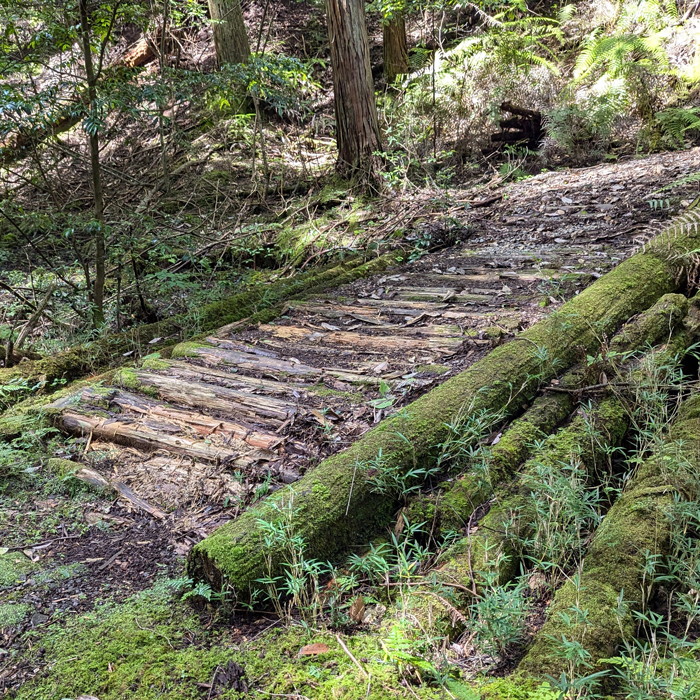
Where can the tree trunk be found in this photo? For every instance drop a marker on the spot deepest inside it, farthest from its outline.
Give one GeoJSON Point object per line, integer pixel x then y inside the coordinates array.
{"type": "Point", "coordinates": [394, 45]}
{"type": "Point", "coordinates": [98, 315]}
{"type": "Point", "coordinates": [357, 126]}
{"type": "Point", "coordinates": [230, 37]}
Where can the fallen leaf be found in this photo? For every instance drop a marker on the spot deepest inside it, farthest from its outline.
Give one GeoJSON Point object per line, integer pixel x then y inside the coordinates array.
{"type": "Point", "coordinates": [31, 555]}
{"type": "Point", "coordinates": [357, 609]}
{"type": "Point", "coordinates": [314, 649]}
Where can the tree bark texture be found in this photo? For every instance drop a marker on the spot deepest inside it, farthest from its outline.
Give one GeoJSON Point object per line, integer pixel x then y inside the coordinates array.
{"type": "Point", "coordinates": [230, 36]}
{"type": "Point", "coordinates": [357, 125]}
{"type": "Point", "coordinates": [394, 46]}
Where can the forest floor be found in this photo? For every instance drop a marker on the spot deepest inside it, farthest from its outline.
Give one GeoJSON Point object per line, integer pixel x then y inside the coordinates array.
{"type": "Point", "coordinates": [184, 443]}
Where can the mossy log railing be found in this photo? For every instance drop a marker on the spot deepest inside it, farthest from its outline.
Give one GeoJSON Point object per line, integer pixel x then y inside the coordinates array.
{"type": "Point", "coordinates": [501, 533]}
{"type": "Point", "coordinates": [335, 508]}
{"type": "Point", "coordinates": [636, 527]}
{"type": "Point", "coordinates": [261, 303]}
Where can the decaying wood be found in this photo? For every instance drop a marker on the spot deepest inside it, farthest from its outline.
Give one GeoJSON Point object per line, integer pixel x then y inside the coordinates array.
{"type": "Point", "coordinates": [364, 342]}
{"type": "Point", "coordinates": [216, 398]}
{"type": "Point", "coordinates": [525, 127]}
{"type": "Point", "coordinates": [96, 480]}
{"type": "Point", "coordinates": [140, 436]}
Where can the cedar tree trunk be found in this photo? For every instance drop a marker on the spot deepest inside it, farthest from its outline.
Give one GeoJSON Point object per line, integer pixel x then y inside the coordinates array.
{"type": "Point", "coordinates": [230, 37]}
{"type": "Point", "coordinates": [395, 49]}
{"type": "Point", "coordinates": [357, 125]}
{"type": "Point", "coordinates": [98, 315]}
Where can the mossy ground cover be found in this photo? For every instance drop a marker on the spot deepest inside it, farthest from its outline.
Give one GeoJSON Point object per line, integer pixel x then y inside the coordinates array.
{"type": "Point", "coordinates": [157, 646]}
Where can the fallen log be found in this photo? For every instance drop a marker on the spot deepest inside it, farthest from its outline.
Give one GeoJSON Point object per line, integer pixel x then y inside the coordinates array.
{"type": "Point", "coordinates": [335, 507]}
{"type": "Point", "coordinates": [511, 518]}
{"type": "Point", "coordinates": [261, 303]}
{"type": "Point", "coordinates": [451, 509]}
{"type": "Point", "coordinates": [547, 411]}
{"type": "Point", "coordinates": [636, 527]}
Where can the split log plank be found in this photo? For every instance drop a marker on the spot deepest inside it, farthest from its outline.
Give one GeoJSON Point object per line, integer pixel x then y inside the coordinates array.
{"type": "Point", "coordinates": [366, 342]}
{"type": "Point", "coordinates": [141, 437]}
{"type": "Point", "coordinates": [216, 398]}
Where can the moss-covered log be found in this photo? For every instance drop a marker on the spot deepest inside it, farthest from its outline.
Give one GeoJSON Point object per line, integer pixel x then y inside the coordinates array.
{"type": "Point", "coordinates": [261, 302]}
{"type": "Point", "coordinates": [653, 325]}
{"type": "Point", "coordinates": [635, 527]}
{"type": "Point", "coordinates": [451, 509]}
{"type": "Point", "coordinates": [511, 518]}
{"type": "Point", "coordinates": [335, 507]}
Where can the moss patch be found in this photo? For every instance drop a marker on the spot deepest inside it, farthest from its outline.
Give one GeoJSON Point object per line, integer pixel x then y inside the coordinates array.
{"type": "Point", "coordinates": [14, 567]}
{"type": "Point", "coordinates": [143, 649]}
{"type": "Point", "coordinates": [13, 613]}
{"type": "Point", "coordinates": [636, 525]}
{"type": "Point", "coordinates": [432, 369]}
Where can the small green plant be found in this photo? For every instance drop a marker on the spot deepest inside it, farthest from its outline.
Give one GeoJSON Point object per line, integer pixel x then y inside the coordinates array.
{"type": "Point", "coordinates": [388, 478]}
{"type": "Point", "coordinates": [499, 612]}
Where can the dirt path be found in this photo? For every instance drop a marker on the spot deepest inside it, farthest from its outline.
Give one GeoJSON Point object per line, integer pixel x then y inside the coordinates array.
{"type": "Point", "coordinates": [190, 441]}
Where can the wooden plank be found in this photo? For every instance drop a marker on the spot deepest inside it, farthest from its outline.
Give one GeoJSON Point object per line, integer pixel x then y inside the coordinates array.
{"type": "Point", "coordinates": [141, 437]}
{"type": "Point", "coordinates": [373, 308]}
{"type": "Point", "coordinates": [191, 372]}
{"type": "Point", "coordinates": [205, 425]}
{"type": "Point", "coordinates": [216, 398]}
{"type": "Point", "coordinates": [365, 342]}
{"type": "Point", "coordinates": [222, 356]}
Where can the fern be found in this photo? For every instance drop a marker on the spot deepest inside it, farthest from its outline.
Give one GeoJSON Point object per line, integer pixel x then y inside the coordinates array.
{"type": "Point", "coordinates": [675, 122]}
{"type": "Point", "coordinates": [680, 182]}
{"type": "Point", "coordinates": [635, 48]}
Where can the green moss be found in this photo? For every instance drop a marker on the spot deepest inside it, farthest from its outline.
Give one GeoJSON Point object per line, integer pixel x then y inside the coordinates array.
{"type": "Point", "coordinates": [63, 467]}
{"type": "Point", "coordinates": [432, 369]}
{"type": "Point", "coordinates": [142, 649]}
{"type": "Point", "coordinates": [636, 526]}
{"type": "Point", "coordinates": [517, 689]}
{"type": "Point", "coordinates": [155, 363]}
{"type": "Point", "coordinates": [128, 378]}
{"type": "Point", "coordinates": [14, 567]}
{"type": "Point", "coordinates": [653, 325]}
{"type": "Point", "coordinates": [188, 349]}
{"type": "Point", "coordinates": [13, 613]}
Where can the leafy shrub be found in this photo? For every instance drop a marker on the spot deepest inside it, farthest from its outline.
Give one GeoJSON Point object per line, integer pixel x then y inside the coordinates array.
{"type": "Point", "coordinates": [582, 127]}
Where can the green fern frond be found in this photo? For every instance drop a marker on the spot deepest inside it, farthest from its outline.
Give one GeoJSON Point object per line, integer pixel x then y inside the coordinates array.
{"type": "Point", "coordinates": [680, 182]}
{"type": "Point", "coordinates": [675, 122]}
